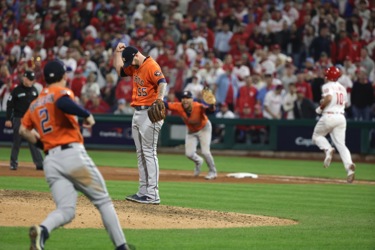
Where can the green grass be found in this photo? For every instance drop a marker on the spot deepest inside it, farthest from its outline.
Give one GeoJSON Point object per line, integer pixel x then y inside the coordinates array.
{"type": "Point", "coordinates": [330, 216]}
{"type": "Point", "coordinates": [226, 164]}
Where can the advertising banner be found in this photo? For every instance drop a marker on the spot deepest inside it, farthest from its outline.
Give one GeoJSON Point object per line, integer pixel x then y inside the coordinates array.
{"type": "Point", "coordinates": [102, 133]}
{"type": "Point", "coordinates": [299, 138]}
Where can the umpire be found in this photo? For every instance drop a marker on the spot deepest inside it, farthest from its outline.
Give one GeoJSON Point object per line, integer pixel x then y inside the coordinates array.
{"type": "Point", "coordinates": [17, 105]}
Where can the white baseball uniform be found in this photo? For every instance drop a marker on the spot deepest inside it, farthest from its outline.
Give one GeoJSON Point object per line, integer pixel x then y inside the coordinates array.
{"type": "Point", "coordinates": [333, 122]}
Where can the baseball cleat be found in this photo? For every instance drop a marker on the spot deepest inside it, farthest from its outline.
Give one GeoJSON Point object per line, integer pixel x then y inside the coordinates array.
{"type": "Point", "coordinates": [197, 169]}
{"type": "Point", "coordinates": [36, 241]}
{"type": "Point", "coordinates": [211, 176]}
{"type": "Point", "coordinates": [329, 156]}
{"type": "Point", "coordinates": [125, 247]}
{"type": "Point", "coordinates": [12, 167]}
{"type": "Point", "coordinates": [132, 197]}
{"type": "Point", "coordinates": [143, 199]}
{"type": "Point", "coordinates": [351, 176]}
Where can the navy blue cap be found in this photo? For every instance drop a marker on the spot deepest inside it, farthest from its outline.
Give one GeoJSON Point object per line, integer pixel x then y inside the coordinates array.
{"type": "Point", "coordinates": [29, 75]}
{"type": "Point", "coordinates": [54, 71]}
{"type": "Point", "coordinates": [187, 94]}
{"type": "Point", "coordinates": [128, 55]}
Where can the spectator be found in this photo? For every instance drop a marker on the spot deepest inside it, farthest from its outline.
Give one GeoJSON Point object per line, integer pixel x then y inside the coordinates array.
{"type": "Point", "coordinates": [123, 108]}
{"type": "Point", "coordinates": [320, 44]}
{"type": "Point", "coordinates": [195, 87]}
{"type": "Point", "coordinates": [124, 89]}
{"type": "Point", "coordinates": [342, 48]}
{"type": "Point", "coordinates": [247, 95]}
{"type": "Point", "coordinates": [304, 108]}
{"type": "Point", "coordinates": [5, 91]}
{"type": "Point", "coordinates": [288, 101]}
{"type": "Point", "coordinates": [90, 89]}
{"type": "Point", "coordinates": [240, 70]}
{"type": "Point", "coordinates": [271, 82]}
{"type": "Point", "coordinates": [273, 103]}
{"type": "Point", "coordinates": [219, 129]}
{"type": "Point", "coordinates": [196, 40]}
{"type": "Point", "coordinates": [97, 105]}
{"type": "Point", "coordinates": [226, 88]}
{"type": "Point", "coordinates": [362, 97]}
{"type": "Point", "coordinates": [251, 134]}
{"type": "Point", "coordinates": [289, 76]}
{"type": "Point", "coordinates": [304, 86]}
{"type": "Point", "coordinates": [78, 82]}
{"type": "Point", "coordinates": [222, 39]}
{"type": "Point", "coordinates": [108, 92]}
{"type": "Point", "coordinates": [366, 61]}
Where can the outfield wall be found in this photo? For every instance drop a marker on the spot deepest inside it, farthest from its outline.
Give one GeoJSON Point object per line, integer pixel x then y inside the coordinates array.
{"type": "Point", "coordinates": [114, 132]}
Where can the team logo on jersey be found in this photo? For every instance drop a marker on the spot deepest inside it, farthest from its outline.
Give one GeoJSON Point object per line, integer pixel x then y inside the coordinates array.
{"type": "Point", "coordinates": [326, 90]}
{"type": "Point", "coordinates": [157, 73]}
{"type": "Point", "coordinates": [65, 92]}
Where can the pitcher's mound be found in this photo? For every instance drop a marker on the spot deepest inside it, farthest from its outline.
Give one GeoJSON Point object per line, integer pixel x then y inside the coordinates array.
{"type": "Point", "coordinates": [22, 208]}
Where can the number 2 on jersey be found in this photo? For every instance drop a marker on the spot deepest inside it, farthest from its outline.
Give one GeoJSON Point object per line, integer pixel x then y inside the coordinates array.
{"type": "Point", "coordinates": [340, 98]}
{"type": "Point", "coordinates": [44, 116]}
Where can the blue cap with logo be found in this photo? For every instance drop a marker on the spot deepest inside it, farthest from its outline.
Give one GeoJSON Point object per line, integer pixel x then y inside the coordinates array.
{"type": "Point", "coordinates": [187, 94]}
{"type": "Point", "coordinates": [128, 55]}
{"type": "Point", "coordinates": [54, 71]}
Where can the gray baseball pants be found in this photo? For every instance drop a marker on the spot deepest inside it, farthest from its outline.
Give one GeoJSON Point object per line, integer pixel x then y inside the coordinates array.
{"type": "Point", "coordinates": [203, 137]}
{"type": "Point", "coordinates": [17, 139]}
{"type": "Point", "coordinates": [145, 135]}
{"type": "Point", "coordinates": [68, 171]}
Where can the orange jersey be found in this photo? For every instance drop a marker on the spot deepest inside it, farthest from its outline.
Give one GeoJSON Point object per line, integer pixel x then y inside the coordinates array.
{"type": "Point", "coordinates": [146, 80]}
{"type": "Point", "coordinates": [54, 126]}
{"type": "Point", "coordinates": [197, 118]}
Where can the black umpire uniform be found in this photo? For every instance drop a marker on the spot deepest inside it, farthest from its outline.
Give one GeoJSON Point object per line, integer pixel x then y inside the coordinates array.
{"type": "Point", "coordinates": [17, 105]}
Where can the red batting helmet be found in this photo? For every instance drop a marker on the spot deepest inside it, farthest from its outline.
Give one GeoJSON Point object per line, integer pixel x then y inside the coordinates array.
{"type": "Point", "coordinates": [333, 73]}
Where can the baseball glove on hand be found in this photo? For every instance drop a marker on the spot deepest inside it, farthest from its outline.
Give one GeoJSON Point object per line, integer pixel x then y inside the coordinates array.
{"type": "Point", "coordinates": [208, 96]}
{"type": "Point", "coordinates": [157, 111]}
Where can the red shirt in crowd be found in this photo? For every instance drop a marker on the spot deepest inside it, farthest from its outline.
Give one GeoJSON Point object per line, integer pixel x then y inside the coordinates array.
{"type": "Point", "coordinates": [124, 89]}
{"type": "Point", "coordinates": [247, 97]}
{"type": "Point", "coordinates": [77, 84]}
{"type": "Point", "coordinates": [305, 88]}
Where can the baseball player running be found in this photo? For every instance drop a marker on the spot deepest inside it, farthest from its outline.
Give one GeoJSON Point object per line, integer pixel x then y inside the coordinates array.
{"type": "Point", "coordinates": [67, 166]}
{"type": "Point", "coordinates": [333, 121]}
{"type": "Point", "coordinates": [199, 130]}
{"type": "Point", "coordinates": [149, 84]}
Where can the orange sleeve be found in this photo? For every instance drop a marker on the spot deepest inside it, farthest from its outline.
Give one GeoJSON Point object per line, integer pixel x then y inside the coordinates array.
{"type": "Point", "coordinates": [176, 106]}
{"type": "Point", "coordinates": [26, 120]}
{"type": "Point", "coordinates": [64, 92]}
{"type": "Point", "coordinates": [196, 120]}
{"type": "Point", "coordinates": [155, 73]}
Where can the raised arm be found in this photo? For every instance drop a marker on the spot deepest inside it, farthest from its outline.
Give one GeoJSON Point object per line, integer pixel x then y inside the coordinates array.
{"type": "Point", "coordinates": [117, 58]}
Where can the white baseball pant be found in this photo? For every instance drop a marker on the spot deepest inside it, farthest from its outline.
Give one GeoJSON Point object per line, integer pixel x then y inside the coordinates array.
{"type": "Point", "coordinates": [335, 126]}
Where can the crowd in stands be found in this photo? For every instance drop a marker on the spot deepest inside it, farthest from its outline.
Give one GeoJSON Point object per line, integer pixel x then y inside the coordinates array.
{"type": "Point", "coordinates": [262, 58]}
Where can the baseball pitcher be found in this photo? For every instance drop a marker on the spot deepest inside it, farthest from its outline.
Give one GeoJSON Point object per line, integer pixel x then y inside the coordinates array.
{"type": "Point", "coordinates": [199, 130]}
{"type": "Point", "coordinates": [67, 166]}
{"type": "Point", "coordinates": [333, 122]}
{"type": "Point", "coordinates": [149, 87]}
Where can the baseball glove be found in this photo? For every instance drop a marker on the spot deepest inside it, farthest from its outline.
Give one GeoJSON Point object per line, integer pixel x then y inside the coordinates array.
{"type": "Point", "coordinates": [208, 96]}
{"type": "Point", "coordinates": [157, 111]}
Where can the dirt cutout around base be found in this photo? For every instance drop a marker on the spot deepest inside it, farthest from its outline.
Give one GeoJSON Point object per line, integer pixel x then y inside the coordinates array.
{"type": "Point", "coordinates": [24, 208]}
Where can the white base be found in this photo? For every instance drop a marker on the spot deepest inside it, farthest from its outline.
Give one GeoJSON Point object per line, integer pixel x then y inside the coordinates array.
{"type": "Point", "coordinates": [243, 175]}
